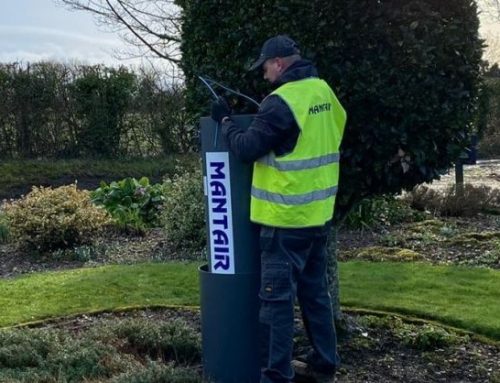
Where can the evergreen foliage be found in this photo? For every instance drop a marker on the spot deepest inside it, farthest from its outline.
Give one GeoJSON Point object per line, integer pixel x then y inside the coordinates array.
{"type": "Point", "coordinates": [55, 110]}
{"type": "Point", "coordinates": [101, 98]}
{"type": "Point", "coordinates": [184, 214]}
{"type": "Point", "coordinates": [407, 72]}
{"type": "Point", "coordinates": [48, 219]}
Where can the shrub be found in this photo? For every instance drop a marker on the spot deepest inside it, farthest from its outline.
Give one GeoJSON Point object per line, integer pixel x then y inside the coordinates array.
{"type": "Point", "coordinates": [427, 337]}
{"type": "Point", "coordinates": [424, 337]}
{"type": "Point", "coordinates": [101, 98]}
{"type": "Point", "coordinates": [171, 341]}
{"type": "Point", "coordinates": [380, 322]}
{"type": "Point", "coordinates": [48, 219]}
{"type": "Point", "coordinates": [472, 201]}
{"type": "Point", "coordinates": [51, 355]}
{"type": "Point", "coordinates": [4, 228]}
{"type": "Point", "coordinates": [394, 254]}
{"type": "Point", "coordinates": [407, 72]}
{"type": "Point", "coordinates": [383, 210]}
{"type": "Point", "coordinates": [134, 204]}
{"type": "Point", "coordinates": [159, 373]}
{"type": "Point", "coordinates": [489, 145]}
{"type": "Point", "coordinates": [184, 216]}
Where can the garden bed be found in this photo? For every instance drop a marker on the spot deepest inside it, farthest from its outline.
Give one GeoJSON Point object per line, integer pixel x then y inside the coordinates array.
{"type": "Point", "coordinates": [471, 242]}
{"type": "Point", "coordinates": [135, 346]}
{"type": "Point", "coordinates": [146, 345]}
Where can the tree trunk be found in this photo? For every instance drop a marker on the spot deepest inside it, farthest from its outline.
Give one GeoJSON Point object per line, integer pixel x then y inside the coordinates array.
{"type": "Point", "coordinates": [333, 274]}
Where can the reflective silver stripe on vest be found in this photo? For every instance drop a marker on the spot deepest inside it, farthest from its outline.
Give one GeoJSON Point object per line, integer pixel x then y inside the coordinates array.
{"type": "Point", "coordinates": [270, 160]}
{"type": "Point", "coordinates": [298, 199]}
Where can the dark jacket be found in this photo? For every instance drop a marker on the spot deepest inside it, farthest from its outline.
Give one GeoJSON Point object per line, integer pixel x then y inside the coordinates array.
{"type": "Point", "coordinates": [274, 127]}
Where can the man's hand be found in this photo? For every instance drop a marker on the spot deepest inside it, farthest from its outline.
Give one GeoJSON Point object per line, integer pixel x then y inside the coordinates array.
{"type": "Point", "coordinates": [220, 109]}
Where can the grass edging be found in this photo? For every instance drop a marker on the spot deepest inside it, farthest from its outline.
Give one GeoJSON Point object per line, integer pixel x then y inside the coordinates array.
{"type": "Point", "coordinates": [464, 298]}
{"type": "Point", "coordinates": [419, 321]}
{"type": "Point", "coordinates": [349, 310]}
{"type": "Point", "coordinates": [124, 309]}
{"type": "Point", "coordinates": [461, 297]}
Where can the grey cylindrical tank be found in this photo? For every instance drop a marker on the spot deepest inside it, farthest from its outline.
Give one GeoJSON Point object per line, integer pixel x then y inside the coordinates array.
{"type": "Point", "coordinates": [230, 282]}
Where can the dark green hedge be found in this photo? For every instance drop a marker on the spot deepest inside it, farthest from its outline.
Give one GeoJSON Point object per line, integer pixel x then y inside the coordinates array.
{"type": "Point", "coordinates": [408, 73]}
{"type": "Point", "coordinates": [64, 110]}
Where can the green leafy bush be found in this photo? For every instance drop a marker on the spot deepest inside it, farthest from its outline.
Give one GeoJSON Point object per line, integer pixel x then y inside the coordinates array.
{"type": "Point", "coordinates": [472, 201]}
{"type": "Point", "coordinates": [381, 211]}
{"type": "Point", "coordinates": [134, 204]}
{"type": "Point", "coordinates": [48, 219]}
{"type": "Point", "coordinates": [408, 74]}
{"type": "Point", "coordinates": [184, 215]}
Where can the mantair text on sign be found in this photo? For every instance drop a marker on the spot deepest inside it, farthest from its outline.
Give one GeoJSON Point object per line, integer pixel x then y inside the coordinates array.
{"type": "Point", "coordinates": [219, 202]}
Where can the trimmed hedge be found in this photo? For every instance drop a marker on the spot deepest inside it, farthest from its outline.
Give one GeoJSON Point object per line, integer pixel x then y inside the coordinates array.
{"type": "Point", "coordinates": [408, 73]}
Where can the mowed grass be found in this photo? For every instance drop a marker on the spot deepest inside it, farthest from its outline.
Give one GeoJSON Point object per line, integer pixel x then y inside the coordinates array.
{"type": "Point", "coordinates": [54, 294]}
{"type": "Point", "coordinates": [468, 298]}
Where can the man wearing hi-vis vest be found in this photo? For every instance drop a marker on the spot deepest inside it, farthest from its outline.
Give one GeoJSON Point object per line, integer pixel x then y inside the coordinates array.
{"type": "Point", "coordinates": [294, 143]}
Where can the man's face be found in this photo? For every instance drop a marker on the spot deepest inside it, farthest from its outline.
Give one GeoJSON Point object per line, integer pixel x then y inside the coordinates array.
{"type": "Point", "coordinates": [272, 69]}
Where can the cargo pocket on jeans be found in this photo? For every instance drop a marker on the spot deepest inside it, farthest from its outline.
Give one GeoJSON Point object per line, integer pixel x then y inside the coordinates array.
{"type": "Point", "coordinates": [276, 284]}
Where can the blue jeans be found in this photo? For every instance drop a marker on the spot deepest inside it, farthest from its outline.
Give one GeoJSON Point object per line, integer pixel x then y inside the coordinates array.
{"type": "Point", "coordinates": [294, 265]}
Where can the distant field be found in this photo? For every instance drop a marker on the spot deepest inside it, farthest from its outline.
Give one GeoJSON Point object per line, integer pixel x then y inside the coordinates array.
{"type": "Point", "coordinates": [17, 177]}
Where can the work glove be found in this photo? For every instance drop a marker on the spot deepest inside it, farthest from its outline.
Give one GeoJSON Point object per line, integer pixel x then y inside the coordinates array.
{"type": "Point", "coordinates": [220, 109]}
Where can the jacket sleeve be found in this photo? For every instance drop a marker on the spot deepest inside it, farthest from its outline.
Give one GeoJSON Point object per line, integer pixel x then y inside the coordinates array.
{"type": "Point", "coordinates": [273, 126]}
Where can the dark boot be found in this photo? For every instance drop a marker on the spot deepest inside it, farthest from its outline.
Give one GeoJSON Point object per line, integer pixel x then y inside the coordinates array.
{"type": "Point", "coordinates": [305, 374]}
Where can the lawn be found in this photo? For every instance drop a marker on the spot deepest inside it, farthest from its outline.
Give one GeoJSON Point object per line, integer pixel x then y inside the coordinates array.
{"type": "Point", "coordinates": [467, 298]}
{"type": "Point", "coordinates": [53, 294]}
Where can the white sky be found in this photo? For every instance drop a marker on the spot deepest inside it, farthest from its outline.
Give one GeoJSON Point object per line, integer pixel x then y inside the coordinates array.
{"type": "Point", "coordinates": [33, 30]}
{"type": "Point", "coordinates": [490, 31]}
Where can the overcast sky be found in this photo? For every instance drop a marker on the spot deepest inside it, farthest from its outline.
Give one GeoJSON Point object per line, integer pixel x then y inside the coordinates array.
{"type": "Point", "coordinates": [34, 30]}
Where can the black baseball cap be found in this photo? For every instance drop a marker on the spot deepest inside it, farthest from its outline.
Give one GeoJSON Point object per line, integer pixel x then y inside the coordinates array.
{"type": "Point", "coordinates": [277, 46]}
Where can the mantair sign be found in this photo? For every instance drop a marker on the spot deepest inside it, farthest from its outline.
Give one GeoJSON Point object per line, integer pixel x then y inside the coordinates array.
{"type": "Point", "coordinates": [218, 190]}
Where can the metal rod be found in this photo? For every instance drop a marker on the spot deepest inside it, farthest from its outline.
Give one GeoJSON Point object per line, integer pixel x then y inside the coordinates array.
{"type": "Point", "coordinates": [233, 91]}
{"type": "Point", "coordinates": [209, 87]}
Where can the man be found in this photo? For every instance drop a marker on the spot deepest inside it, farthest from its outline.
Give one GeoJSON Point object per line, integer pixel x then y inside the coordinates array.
{"type": "Point", "coordinates": [294, 143]}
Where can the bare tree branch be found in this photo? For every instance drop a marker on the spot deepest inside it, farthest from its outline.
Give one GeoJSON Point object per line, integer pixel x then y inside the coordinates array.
{"type": "Point", "coordinates": [146, 25]}
{"type": "Point", "coordinates": [137, 28]}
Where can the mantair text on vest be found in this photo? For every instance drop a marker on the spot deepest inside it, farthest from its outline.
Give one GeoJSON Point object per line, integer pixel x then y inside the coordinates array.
{"type": "Point", "coordinates": [320, 108]}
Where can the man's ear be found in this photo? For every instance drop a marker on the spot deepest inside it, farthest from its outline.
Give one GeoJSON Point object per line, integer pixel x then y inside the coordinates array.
{"type": "Point", "coordinates": [281, 63]}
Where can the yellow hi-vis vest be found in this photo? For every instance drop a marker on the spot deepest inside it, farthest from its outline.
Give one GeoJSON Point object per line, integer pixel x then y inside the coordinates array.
{"type": "Point", "coordinates": [298, 189]}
